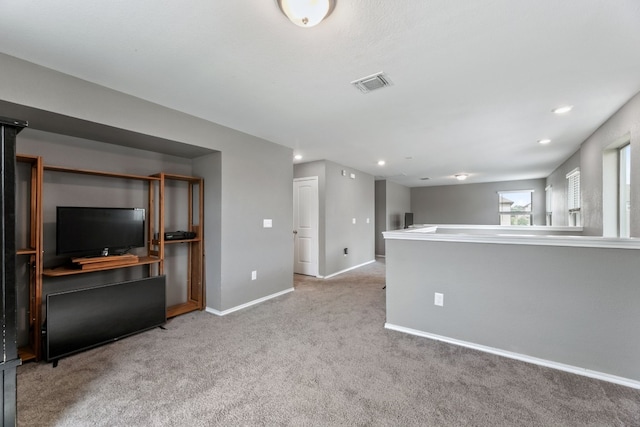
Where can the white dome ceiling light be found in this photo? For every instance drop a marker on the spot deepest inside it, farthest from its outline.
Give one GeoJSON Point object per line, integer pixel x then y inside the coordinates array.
{"type": "Point", "coordinates": [306, 13]}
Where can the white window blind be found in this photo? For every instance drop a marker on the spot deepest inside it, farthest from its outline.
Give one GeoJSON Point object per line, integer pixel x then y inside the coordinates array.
{"type": "Point", "coordinates": [573, 190]}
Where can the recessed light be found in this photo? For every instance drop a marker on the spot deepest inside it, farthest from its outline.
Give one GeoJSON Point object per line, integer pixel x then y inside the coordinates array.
{"type": "Point", "coordinates": [461, 176]}
{"type": "Point", "coordinates": [544, 141]}
{"type": "Point", "coordinates": [298, 157]}
{"type": "Point", "coordinates": [381, 162]}
{"type": "Point", "coordinates": [563, 109]}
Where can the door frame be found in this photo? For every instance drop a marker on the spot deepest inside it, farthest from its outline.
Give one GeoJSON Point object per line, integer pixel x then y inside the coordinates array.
{"type": "Point", "coordinates": [317, 231]}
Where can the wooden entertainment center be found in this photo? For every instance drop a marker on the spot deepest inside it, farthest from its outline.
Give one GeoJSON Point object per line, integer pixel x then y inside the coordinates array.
{"type": "Point", "coordinates": [154, 259]}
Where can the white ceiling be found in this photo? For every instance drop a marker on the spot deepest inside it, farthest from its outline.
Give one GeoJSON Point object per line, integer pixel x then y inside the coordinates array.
{"type": "Point", "coordinates": [474, 80]}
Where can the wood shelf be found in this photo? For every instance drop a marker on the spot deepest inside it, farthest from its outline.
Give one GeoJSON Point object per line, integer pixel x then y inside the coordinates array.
{"type": "Point", "coordinates": [175, 177]}
{"type": "Point", "coordinates": [154, 256]}
{"type": "Point", "coordinates": [100, 173]}
{"type": "Point", "coordinates": [195, 285]}
{"type": "Point", "coordinates": [185, 307]}
{"type": "Point", "coordinates": [67, 271]}
{"type": "Point", "coordinates": [26, 353]}
{"type": "Point", "coordinates": [27, 251]}
{"type": "Point", "coordinates": [169, 242]}
{"type": "Point", "coordinates": [32, 254]}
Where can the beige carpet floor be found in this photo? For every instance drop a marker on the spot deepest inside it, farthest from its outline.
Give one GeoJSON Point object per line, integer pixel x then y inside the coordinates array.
{"type": "Point", "coordinates": [318, 356]}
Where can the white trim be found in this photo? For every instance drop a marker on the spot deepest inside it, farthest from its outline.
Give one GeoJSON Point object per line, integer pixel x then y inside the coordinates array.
{"type": "Point", "coordinates": [316, 236]}
{"type": "Point", "coordinates": [429, 234]}
{"type": "Point", "coordinates": [348, 269]}
{"type": "Point", "coordinates": [515, 191]}
{"type": "Point", "coordinates": [306, 178]}
{"type": "Point", "coordinates": [522, 357]}
{"type": "Point", "coordinates": [553, 228]}
{"type": "Point", "coordinates": [249, 304]}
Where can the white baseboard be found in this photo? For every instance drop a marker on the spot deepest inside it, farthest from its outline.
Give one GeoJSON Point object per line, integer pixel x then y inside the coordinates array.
{"type": "Point", "coordinates": [522, 357]}
{"type": "Point", "coordinates": [348, 269]}
{"type": "Point", "coordinates": [249, 304]}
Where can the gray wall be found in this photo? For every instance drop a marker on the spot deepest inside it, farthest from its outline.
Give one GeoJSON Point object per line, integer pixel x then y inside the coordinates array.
{"type": "Point", "coordinates": [210, 169]}
{"type": "Point", "coordinates": [392, 201]}
{"type": "Point", "coordinates": [256, 185]}
{"type": "Point", "coordinates": [341, 200]}
{"type": "Point", "coordinates": [398, 202]}
{"type": "Point", "coordinates": [471, 203]}
{"type": "Point", "coordinates": [553, 303]}
{"type": "Point", "coordinates": [624, 124]}
{"type": "Point", "coordinates": [243, 165]}
{"type": "Point", "coordinates": [558, 182]}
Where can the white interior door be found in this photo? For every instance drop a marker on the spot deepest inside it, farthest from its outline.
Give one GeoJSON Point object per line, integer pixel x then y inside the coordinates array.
{"type": "Point", "coordinates": [305, 225]}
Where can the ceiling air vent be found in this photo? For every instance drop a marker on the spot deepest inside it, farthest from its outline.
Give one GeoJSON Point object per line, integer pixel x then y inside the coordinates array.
{"type": "Point", "coordinates": [372, 82]}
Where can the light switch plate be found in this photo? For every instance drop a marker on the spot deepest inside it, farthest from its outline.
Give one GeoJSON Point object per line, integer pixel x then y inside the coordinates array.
{"type": "Point", "coordinates": [438, 299]}
{"type": "Point", "coordinates": [267, 223]}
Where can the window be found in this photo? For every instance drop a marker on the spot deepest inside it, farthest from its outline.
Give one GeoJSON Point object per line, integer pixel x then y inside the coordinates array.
{"type": "Point", "coordinates": [616, 189]}
{"type": "Point", "coordinates": [515, 207]}
{"type": "Point", "coordinates": [548, 192]}
{"type": "Point", "coordinates": [624, 188]}
{"type": "Point", "coordinates": [573, 197]}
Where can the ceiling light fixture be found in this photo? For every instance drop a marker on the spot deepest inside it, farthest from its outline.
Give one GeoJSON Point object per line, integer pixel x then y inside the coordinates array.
{"type": "Point", "coordinates": [461, 176]}
{"type": "Point", "coordinates": [297, 157]}
{"type": "Point", "coordinates": [381, 162]}
{"type": "Point", "coordinates": [544, 141]}
{"type": "Point", "coordinates": [562, 110]}
{"type": "Point", "coordinates": [306, 13]}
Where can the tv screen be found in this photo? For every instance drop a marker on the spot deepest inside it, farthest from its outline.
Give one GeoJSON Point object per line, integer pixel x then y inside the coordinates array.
{"type": "Point", "coordinates": [88, 231]}
{"type": "Point", "coordinates": [408, 219]}
{"type": "Point", "coordinates": [85, 318]}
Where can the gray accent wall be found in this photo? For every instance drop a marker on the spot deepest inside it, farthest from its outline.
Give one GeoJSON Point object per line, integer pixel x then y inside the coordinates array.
{"type": "Point", "coordinates": [623, 126]}
{"type": "Point", "coordinates": [248, 168]}
{"type": "Point", "coordinates": [392, 202]}
{"type": "Point", "coordinates": [549, 302]}
{"type": "Point", "coordinates": [471, 203]}
{"type": "Point", "coordinates": [341, 200]}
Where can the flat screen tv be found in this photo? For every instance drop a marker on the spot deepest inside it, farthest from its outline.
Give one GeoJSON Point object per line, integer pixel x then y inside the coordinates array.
{"type": "Point", "coordinates": [84, 318]}
{"type": "Point", "coordinates": [408, 219]}
{"type": "Point", "coordinates": [89, 231]}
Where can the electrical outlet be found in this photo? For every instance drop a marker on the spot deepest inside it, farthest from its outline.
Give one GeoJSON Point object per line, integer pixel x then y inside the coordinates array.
{"type": "Point", "coordinates": [254, 275]}
{"type": "Point", "coordinates": [438, 299]}
{"type": "Point", "coordinates": [353, 220]}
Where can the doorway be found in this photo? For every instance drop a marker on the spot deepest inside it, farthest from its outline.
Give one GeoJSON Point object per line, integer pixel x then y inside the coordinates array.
{"type": "Point", "coordinates": [305, 225]}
